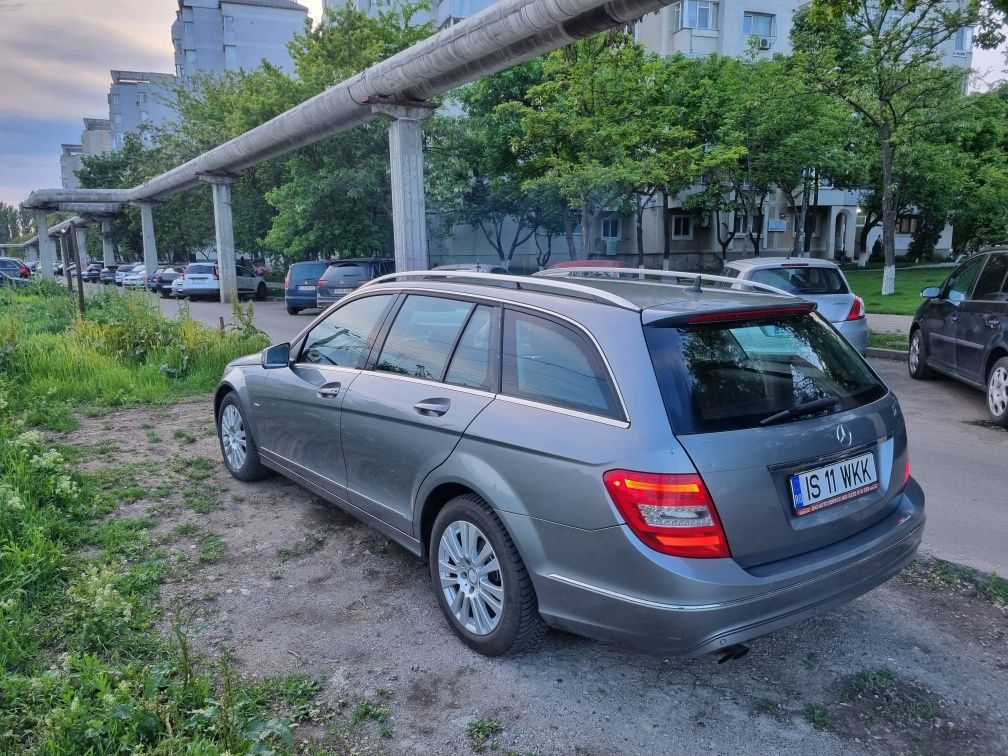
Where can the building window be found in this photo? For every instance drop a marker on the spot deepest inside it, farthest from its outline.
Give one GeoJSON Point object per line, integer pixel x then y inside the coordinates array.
{"type": "Point", "coordinates": [695, 14]}
{"type": "Point", "coordinates": [179, 70]}
{"type": "Point", "coordinates": [230, 57]}
{"type": "Point", "coordinates": [190, 57]}
{"type": "Point", "coordinates": [962, 41]}
{"type": "Point", "coordinates": [758, 24]}
{"type": "Point", "coordinates": [741, 223]}
{"type": "Point", "coordinates": [118, 141]}
{"type": "Point", "coordinates": [229, 23]}
{"type": "Point", "coordinates": [143, 116]}
{"type": "Point", "coordinates": [610, 228]}
{"type": "Point", "coordinates": [113, 99]}
{"type": "Point", "coordinates": [117, 117]}
{"type": "Point", "coordinates": [681, 227]}
{"type": "Point", "coordinates": [906, 224]}
{"type": "Point", "coordinates": [143, 97]}
{"type": "Point", "coordinates": [187, 27]}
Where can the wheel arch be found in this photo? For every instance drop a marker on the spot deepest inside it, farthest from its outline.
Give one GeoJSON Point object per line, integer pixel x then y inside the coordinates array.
{"type": "Point", "coordinates": [995, 354]}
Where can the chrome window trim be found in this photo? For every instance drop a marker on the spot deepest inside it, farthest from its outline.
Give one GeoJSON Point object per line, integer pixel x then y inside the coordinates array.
{"type": "Point", "coordinates": [604, 419]}
{"type": "Point", "coordinates": [428, 382]}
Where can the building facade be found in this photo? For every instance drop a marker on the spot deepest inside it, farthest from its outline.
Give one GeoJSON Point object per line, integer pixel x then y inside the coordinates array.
{"type": "Point", "coordinates": [443, 13]}
{"type": "Point", "coordinates": [216, 36]}
{"type": "Point", "coordinates": [96, 139]}
{"type": "Point", "coordinates": [138, 98]}
{"type": "Point", "coordinates": [70, 163]}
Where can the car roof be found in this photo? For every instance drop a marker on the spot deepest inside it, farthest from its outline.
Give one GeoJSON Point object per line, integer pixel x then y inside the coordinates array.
{"type": "Point", "coordinates": [775, 262]}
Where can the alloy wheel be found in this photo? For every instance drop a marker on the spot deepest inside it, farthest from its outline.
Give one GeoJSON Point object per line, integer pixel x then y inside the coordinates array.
{"type": "Point", "coordinates": [914, 353]}
{"type": "Point", "coordinates": [471, 577]}
{"type": "Point", "coordinates": [997, 391]}
{"type": "Point", "coordinates": [232, 430]}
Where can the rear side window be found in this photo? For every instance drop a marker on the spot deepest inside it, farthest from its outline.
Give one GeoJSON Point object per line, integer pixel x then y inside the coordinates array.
{"type": "Point", "coordinates": [733, 375]}
{"type": "Point", "coordinates": [200, 269]}
{"type": "Point", "coordinates": [547, 362]}
{"type": "Point", "coordinates": [990, 285]}
{"type": "Point", "coordinates": [471, 364]}
{"type": "Point", "coordinates": [422, 337]}
{"type": "Point", "coordinates": [802, 280]}
{"type": "Point", "coordinates": [341, 339]}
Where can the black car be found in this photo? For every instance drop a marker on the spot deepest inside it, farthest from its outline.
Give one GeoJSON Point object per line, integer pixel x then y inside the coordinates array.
{"type": "Point", "coordinates": [163, 278]}
{"type": "Point", "coordinates": [93, 272]}
{"type": "Point", "coordinates": [962, 329]}
{"type": "Point", "coordinates": [107, 274]}
{"type": "Point", "coordinates": [14, 268]}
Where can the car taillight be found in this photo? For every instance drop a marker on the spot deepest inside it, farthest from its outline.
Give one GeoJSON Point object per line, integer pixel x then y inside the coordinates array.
{"type": "Point", "coordinates": [673, 514]}
{"type": "Point", "coordinates": [287, 279]}
{"type": "Point", "coordinates": [906, 472]}
{"type": "Point", "coordinates": [361, 283]}
{"type": "Point", "coordinates": [857, 310]}
{"type": "Point", "coordinates": [24, 271]}
{"type": "Point", "coordinates": [755, 314]}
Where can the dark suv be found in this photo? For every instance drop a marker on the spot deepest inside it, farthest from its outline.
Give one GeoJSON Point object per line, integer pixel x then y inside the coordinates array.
{"type": "Point", "coordinates": [668, 466]}
{"type": "Point", "coordinates": [962, 329]}
{"type": "Point", "coordinates": [343, 276]}
{"type": "Point", "coordinates": [300, 285]}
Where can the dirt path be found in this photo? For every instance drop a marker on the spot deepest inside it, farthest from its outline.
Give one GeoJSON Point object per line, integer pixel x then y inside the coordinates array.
{"type": "Point", "coordinates": [292, 584]}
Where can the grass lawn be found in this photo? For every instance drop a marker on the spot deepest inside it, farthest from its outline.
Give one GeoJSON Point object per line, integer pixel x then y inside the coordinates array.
{"type": "Point", "coordinates": [887, 340]}
{"type": "Point", "coordinates": [867, 284]}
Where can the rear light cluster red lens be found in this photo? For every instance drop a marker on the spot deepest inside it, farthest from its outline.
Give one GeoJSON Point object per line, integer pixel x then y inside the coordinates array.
{"type": "Point", "coordinates": [906, 472]}
{"type": "Point", "coordinates": [287, 279]}
{"type": "Point", "coordinates": [361, 283]}
{"type": "Point", "coordinates": [673, 514]}
{"type": "Point", "coordinates": [857, 310]}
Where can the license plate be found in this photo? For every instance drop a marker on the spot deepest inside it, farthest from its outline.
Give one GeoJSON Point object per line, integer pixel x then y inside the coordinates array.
{"type": "Point", "coordinates": [342, 290]}
{"type": "Point", "coordinates": [306, 288]}
{"type": "Point", "coordinates": [842, 481]}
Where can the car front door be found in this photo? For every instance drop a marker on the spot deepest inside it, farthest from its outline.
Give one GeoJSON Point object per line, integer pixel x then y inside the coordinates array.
{"type": "Point", "coordinates": [942, 315]}
{"type": "Point", "coordinates": [980, 319]}
{"type": "Point", "coordinates": [435, 372]}
{"type": "Point", "coordinates": [298, 408]}
{"type": "Point", "coordinates": [243, 281]}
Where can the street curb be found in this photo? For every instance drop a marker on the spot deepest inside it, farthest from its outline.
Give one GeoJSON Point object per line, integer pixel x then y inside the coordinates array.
{"type": "Point", "coordinates": [886, 354]}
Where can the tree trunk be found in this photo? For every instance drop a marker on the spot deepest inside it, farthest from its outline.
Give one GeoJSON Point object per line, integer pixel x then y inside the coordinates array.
{"type": "Point", "coordinates": [640, 231]}
{"type": "Point", "coordinates": [810, 220]}
{"type": "Point", "coordinates": [666, 251]}
{"type": "Point", "coordinates": [870, 222]}
{"type": "Point", "coordinates": [888, 214]}
{"type": "Point", "coordinates": [568, 225]}
{"type": "Point", "coordinates": [586, 225]}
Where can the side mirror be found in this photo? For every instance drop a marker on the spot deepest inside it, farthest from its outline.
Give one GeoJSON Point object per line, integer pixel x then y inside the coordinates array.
{"type": "Point", "coordinates": [277, 356]}
{"type": "Point", "coordinates": [931, 292]}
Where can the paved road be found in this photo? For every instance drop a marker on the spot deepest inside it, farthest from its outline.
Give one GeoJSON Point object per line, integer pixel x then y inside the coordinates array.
{"type": "Point", "coordinates": [958, 459]}
{"type": "Point", "coordinates": [900, 323]}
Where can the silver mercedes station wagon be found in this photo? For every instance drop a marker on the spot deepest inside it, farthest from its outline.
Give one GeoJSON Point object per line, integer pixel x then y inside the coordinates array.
{"type": "Point", "coordinates": [649, 461]}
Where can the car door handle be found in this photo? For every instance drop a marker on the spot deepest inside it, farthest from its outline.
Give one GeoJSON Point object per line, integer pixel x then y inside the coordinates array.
{"type": "Point", "coordinates": [955, 317]}
{"type": "Point", "coordinates": [433, 407]}
{"type": "Point", "coordinates": [329, 391]}
{"type": "Point", "coordinates": [991, 321]}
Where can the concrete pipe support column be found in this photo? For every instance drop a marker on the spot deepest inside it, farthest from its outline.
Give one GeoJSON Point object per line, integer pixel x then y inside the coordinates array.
{"type": "Point", "coordinates": [108, 246]}
{"type": "Point", "coordinates": [149, 241]}
{"type": "Point", "coordinates": [220, 185]}
{"type": "Point", "coordinates": [47, 250]}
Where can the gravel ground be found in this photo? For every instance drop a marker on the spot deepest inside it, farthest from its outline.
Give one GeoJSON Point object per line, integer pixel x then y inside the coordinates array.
{"type": "Point", "coordinates": [296, 585]}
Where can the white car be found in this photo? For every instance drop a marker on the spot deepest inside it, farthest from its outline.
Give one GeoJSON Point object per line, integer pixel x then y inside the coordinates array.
{"type": "Point", "coordinates": [136, 279]}
{"type": "Point", "coordinates": [176, 286]}
{"type": "Point", "coordinates": [202, 279]}
{"type": "Point", "coordinates": [124, 270]}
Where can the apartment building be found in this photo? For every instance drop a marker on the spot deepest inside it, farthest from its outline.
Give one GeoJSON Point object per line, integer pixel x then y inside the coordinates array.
{"type": "Point", "coordinates": [138, 98]}
{"type": "Point", "coordinates": [217, 36]}
{"type": "Point", "coordinates": [443, 13]}
{"type": "Point", "coordinates": [95, 140]}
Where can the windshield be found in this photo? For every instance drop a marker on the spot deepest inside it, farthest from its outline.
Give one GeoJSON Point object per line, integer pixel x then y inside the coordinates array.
{"type": "Point", "coordinates": [735, 375]}
{"type": "Point", "coordinates": [803, 279]}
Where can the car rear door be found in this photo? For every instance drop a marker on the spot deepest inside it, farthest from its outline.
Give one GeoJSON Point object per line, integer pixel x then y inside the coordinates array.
{"type": "Point", "coordinates": [434, 373]}
{"type": "Point", "coordinates": [980, 318]}
{"type": "Point", "coordinates": [799, 483]}
{"type": "Point", "coordinates": [298, 408]}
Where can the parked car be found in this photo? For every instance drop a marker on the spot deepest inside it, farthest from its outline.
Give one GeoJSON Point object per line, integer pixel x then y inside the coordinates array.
{"type": "Point", "coordinates": [125, 270]}
{"type": "Point", "coordinates": [203, 280]}
{"type": "Point", "coordinates": [344, 276]}
{"type": "Point", "coordinates": [176, 286]}
{"type": "Point", "coordinates": [601, 263]}
{"type": "Point", "coordinates": [93, 272]}
{"type": "Point", "coordinates": [136, 278]}
{"type": "Point", "coordinates": [961, 330]}
{"type": "Point", "coordinates": [165, 277]}
{"type": "Point", "coordinates": [675, 470]}
{"type": "Point", "coordinates": [14, 267]}
{"type": "Point", "coordinates": [12, 281]}
{"type": "Point", "coordinates": [301, 285]}
{"type": "Point", "coordinates": [108, 274]}
{"type": "Point", "coordinates": [474, 268]}
{"type": "Point", "coordinates": [819, 281]}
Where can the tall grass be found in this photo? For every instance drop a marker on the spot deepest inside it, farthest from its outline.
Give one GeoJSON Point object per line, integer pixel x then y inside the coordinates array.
{"type": "Point", "coordinates": [125, 351]}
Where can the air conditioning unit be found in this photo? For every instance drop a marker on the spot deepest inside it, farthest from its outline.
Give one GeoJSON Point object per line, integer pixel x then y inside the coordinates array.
{"type": "Point", "coordinates": [765, 43]}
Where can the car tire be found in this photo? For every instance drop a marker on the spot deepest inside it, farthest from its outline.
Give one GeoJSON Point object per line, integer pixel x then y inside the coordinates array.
{"type": "Point", "coordinates": [261, 292]}
{"type": "Point", "coordinates": [997, 392]}
{"type": "Point", "coordinates": [516, 624]}
{"type": "Point", "coordinates": [238, 447]}
{"type": "Point", "coordinates": [293, 311]}
{"type": "Point", "coordinates": [917, 359]}
{"type": "Point", "coordinates": [165, 294]}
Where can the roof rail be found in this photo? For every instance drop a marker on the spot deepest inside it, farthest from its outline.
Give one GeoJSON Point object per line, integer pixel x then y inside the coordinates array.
{"type": "Point", "coordinates": [522, 283]}
{"type": "Point", "coordinates": [642, 274]}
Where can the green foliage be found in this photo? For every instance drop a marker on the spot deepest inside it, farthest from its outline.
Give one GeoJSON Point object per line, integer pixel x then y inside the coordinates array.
{"type": "Point", "coordinates": [482, 731]}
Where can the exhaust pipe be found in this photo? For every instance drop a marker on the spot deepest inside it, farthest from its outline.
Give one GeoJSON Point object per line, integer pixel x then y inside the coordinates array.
{"type": "Point", "coordinates": [731, 653]}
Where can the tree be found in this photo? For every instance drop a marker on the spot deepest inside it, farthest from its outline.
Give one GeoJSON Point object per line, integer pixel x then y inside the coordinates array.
{"type": "Point", "coordinates": [883, 59]}
{"type": "Point", "coordinates": [595, 133]}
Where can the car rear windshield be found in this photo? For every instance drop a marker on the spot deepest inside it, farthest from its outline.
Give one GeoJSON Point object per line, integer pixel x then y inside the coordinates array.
{"type": "Point", "coordinates": [803, 279]}
{"type": "Point", "coordinates": [200, 269]}
{"type": "Point", "coordinates": [336, 271]}
{"type": "Point", "coordinates": [727, 376]}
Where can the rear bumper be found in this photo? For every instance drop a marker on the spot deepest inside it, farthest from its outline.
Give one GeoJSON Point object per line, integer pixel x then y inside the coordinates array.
{"type": "Point", "coordinates": [856, 332]}
{"type": "Point", "coordinates": [696, 606]}
{"type": "Point", "coordinates": [304, 301]}
{"type": "Point", "coordinates": [326, 300]}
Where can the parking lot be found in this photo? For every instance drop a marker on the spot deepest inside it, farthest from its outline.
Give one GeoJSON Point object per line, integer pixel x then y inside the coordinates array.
{"type": "Point", "coordinates": [957, 456]}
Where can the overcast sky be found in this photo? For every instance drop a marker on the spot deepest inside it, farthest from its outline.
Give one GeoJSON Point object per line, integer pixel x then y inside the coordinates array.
{"type": "Point", "coordinates": [55, 57]}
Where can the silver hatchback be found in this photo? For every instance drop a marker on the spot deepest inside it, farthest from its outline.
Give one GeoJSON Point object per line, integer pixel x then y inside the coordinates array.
{"type": "Point", "coordinates": [680, 468]}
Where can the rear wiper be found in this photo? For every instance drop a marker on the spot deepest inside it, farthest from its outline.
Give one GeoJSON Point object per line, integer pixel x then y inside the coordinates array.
{"type": "Point", "coordinates": [805, 408]}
